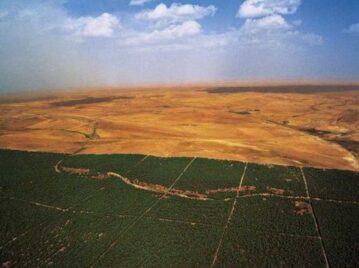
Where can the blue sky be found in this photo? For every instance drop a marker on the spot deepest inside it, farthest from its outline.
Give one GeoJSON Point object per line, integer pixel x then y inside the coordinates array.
{"type": "Point", "coordinates": [79, 43]}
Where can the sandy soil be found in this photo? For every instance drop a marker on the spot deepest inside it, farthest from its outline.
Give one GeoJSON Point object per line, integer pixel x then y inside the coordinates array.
{"type": "Point", "coordinates": [276, 127]}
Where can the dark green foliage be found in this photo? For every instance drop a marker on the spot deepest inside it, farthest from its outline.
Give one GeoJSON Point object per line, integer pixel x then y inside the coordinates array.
{"type": "Point", "coordinates": [104, 163]}
{"type": "Point", "coordinates": [272, 214]}
{"type": "Point", "coordinates": [154, 243]}
{"type": "Point", "coordinates": [73, 240]}
{"type": "Point", "coordinates": [207, 174]}
{"type": "Point", "coordinates": [32, 177]}
{"type": "Point", "coordinates": [22, 172]}
{"type": "Point", "coordinates": [171, 231]}
{"type": "Point", "coordinates": [282, 89]}
{"type": "Point", "coordinates": [157, 170]}
{"type": "Point", "coordinates": [86, 237]}
{"type": "Point", "coordinates": [89, 100]}
{"type": "Point", "coordinates": [18, 218]}
{"type": "Point", "coordinates": [70, 190]}
{"type": "Point", "coordinates": [243, 248]}
{"type": "Point", "coordinates": [263, 178]}
{"type": "Point", "coordinates": [115, 197]}
{"type": "Point", "coordinates": [209, 212]}
{"type": "Point", "coordinates": [333, 184]}
{"type": "Point", "coordinates": [342, 253]}
{"type": "Point", "coordinates": [337, 220]}
{"type": "Point", "coordinates": [339, 225]}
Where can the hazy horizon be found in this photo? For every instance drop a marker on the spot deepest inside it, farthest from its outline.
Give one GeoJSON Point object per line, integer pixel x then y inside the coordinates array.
{"type": "Point", "coordinates": [70, 44]}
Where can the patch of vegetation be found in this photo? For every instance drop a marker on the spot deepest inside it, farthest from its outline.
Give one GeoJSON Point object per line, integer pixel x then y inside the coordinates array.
{"type": "Point", "coordinates": [339, 225]}
{"type": "Point", "coordinates": [154, 243]}
{"type": "Point", "coordinates": [208, 174]}
{"type": "Point", "coordinates": [337, 220]}
{"type": "Point", "coordinates": [275, 179]}
{"type": "Point", "coordinates": [89, 100]}
{"type": "Point", "coordinates": [73, 240]}
{"type": "Point", "coordinates": [32, 177]}
{"type": "Point", "coordinates": [19, 217]}
{"type": "Point", "coordinates": [305, 89]}
{"type": "Point", "coordinates": [274, 215]}
{"type": "Point", "coordinates": [243, 248]}
{"type": "Point", "coordinates": [120, 163]}
{"type": "Point", "coordinates": [116, 198]}
{"type": "Point", "coordinates": [209, 212]}
{"type": "Point", "coordinates": [90, 236]}
{"type": "Point", "coordinates": [350, 145]}
{"type": "Point", "coordinates": [342, 253]}
{"type": "Point", "coordinates": [29, 175]}
{"type": "Point", "coordinates": [241, 112]}
{"type": "Point", "coordinates": [316, 132]}
{"type": "Point", "coordinates": [158, 170]}
{"type": "Point", "coordinates": [333, 184]}
{"type": "Point", "coordinates": [70, 219]}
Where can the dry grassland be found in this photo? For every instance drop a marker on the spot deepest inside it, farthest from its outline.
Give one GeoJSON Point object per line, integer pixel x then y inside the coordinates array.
{"type": "Point", "coordinates": [276, 127]}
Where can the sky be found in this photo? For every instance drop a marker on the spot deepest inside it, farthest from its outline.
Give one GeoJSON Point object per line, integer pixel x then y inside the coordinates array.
{"type": "Point", "coordinates": [47, 44]}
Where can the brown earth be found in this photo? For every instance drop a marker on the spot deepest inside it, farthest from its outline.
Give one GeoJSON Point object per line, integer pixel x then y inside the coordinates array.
{"type": "Point", "coordinates": [266, 124]}
{"type": "Point", "coordinates": [77, 171]}
{"type": "Point", "coordinates": [276, 190]}
{"type": "Point", "coordinates": [303, 208]}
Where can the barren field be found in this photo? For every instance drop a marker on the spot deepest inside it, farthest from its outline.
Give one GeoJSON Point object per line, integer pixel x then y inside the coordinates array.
{"type": "Point", "coordinates": [286, 125]}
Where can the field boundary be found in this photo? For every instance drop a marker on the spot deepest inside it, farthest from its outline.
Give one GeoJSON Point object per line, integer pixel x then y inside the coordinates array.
{"type": "Point", "coordinates": [315, 220]}
{"type": "Point", "coordinates": [300, 197]}
{"type": "Point", "coordinates": [215, 257]}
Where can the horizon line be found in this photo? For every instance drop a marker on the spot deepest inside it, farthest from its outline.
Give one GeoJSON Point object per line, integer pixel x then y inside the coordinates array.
{"type": "Point", "coordinates": [185, 84]}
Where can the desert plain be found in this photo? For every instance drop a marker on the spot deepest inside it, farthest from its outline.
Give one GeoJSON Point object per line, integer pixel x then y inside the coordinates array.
{"type": "Point", "coordinates": [285, 124]}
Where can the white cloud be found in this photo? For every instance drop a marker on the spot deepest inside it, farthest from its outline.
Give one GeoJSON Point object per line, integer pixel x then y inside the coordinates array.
{"type": "Point", "coordinates": [353, 29]}
{"type": "Point", "coordinates": [177, 13]}
{"type": "Point", "coordinates": [266, 26]}
{"type": "Point", "coordinates": [101, 26]}
{"type": "Point", "coordinates": [171, 33]}
{"type": "Point", "coordinates": [167, 45]}
{"type": "Point", "coordinates": [139, 2]}
{"type": "Point", "coordinates": [275, 32]}
{"type": "Point", "coordinates": [269, 22]}
{"type": "Point", "coordinates": [175, 27]}
{"type": "Point", "coordinates": [260, 8]}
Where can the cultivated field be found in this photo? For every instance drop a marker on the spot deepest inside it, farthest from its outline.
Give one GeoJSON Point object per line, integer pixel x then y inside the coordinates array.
{"type": "Point", "coordinates": [287, 125]}
{"type": "Point", "coordinates": [139, 210]}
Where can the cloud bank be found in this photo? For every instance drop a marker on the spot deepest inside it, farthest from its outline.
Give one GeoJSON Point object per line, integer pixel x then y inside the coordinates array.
{"type": "Point", "coordinates": [43, 45]}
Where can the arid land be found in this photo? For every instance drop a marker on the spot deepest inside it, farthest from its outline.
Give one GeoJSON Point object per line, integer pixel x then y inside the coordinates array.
{"type": "Point", "coordinates": [297, 125]}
